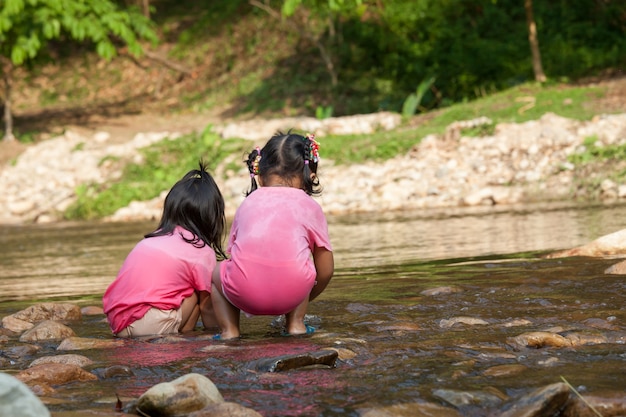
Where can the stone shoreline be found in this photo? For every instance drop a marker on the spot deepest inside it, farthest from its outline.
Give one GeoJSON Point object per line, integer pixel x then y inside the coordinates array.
{"type": "Point", "coordinates": [520, 163]}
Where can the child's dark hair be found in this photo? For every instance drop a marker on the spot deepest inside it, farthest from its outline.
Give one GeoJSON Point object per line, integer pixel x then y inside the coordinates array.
{"type": "Point", "coordinates": [289, 156]}
{"type": "Point", "coordinates": [196, 204]}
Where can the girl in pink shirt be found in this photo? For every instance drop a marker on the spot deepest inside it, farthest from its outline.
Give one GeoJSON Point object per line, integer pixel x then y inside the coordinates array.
{"type": "Point", "coordinates": [280, 253]}
{"type": "Point", "coordinates": [164, 284]}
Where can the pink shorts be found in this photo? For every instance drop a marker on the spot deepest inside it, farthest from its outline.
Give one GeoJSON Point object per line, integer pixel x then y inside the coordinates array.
{"type": "Point", "coordinates": [268, 289]}
{"type": "Point", "coordinates": [154, 322]}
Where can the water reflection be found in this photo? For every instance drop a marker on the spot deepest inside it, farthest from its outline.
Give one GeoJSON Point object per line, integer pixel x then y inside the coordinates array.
{"type": "Point", "coordinates": [40, 261]}
{"type": "Point", "coordinates": [444, 234]}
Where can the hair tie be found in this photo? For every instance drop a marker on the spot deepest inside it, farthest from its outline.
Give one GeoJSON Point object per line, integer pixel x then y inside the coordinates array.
{"type": "Point", "coordinates": [306, 162]}
{"type": "Point", "coordinates": [313, 153]}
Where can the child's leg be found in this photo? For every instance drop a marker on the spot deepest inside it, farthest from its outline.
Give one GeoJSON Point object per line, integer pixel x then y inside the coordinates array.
{"type": "Point", "coordinates": [190, 312]}
{"type": "Point", "coordinates": [227, 314]}
{"type": "Point", "coordinates": [206, 311]}
{"type": "Point", "coordinates": [295, 319]}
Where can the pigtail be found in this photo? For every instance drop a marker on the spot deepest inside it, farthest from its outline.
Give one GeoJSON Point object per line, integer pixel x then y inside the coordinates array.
{"type": "Point", "coordinates": [253, 168]}
{"type": "Point", "coordinates": [311, 157]}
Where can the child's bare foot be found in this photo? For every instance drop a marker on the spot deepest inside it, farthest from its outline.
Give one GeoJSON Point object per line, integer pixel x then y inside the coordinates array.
{"type": "Point", "coordinates": [300, 330]}
{"type": "Point", "coordinates": [226, 336]}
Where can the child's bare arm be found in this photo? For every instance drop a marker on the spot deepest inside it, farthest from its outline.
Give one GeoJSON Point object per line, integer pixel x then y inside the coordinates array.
{"type": "Point", "coordinates": [325, 267]}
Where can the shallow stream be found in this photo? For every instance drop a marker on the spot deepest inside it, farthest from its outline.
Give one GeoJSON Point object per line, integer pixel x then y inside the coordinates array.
{"type": "Point", "coordinates": [398, 344]}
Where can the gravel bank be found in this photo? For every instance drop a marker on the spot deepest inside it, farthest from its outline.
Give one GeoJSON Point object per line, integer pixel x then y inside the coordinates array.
{"type": "Point", "coordinates": [520, 163]}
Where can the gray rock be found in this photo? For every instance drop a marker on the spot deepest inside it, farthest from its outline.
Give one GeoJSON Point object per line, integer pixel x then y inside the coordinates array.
{"type": "Point", "coordinates": [189, 393]}
{"type": "Point", "coordinates": [545, 401]}
{"type": "Point", "coordinates": [17, 400]}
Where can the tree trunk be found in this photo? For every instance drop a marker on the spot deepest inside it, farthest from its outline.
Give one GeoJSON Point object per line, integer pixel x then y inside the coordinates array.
{"type": "Point", "coordinates": [145, 8]}
{"type": "Point", "coordinates": [301, 30]}
{"type": "Point", "coordinates": [7, 73]}
{"type": "Point", "coordinates": [534, 42]}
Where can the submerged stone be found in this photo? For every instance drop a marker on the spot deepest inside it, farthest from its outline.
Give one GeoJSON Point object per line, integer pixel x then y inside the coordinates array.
{"type": "Point", "coordinates": [459, 398]}
{"type": "Point", "coordinates": [469, 321]}
{"type": "Point", "coordinates": [545, 401]}
{"type": "Point", "coordinates": [616, 269]}
{"type": "Point", "coordinates": [289, 362]}
{"type": "Point", "coordinates": [541, 339]}
{"type": "Point", "coordinates": [592, 406]}
{"type": "Point", "coordinates": [504, 370]}
{"type": "Point", "coordinates": [411, 410]}
{"type": "Point", "coordinates": [431, 292]}
{"type": "Point", "coordinates": [229, 409]}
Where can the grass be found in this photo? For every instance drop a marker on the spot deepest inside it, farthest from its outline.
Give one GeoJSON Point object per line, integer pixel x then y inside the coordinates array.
{"type": "Point", "coordinates": [501, 107]}
{"type": "Point", "coordinates": [163, 161]}
{"type": "Point", "coordinates": [164, 164]}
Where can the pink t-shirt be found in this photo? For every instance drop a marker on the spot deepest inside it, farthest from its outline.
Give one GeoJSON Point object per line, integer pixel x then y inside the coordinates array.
{"type": "Point", "coordinates": [159, 272]}
{"type": "Point", "coordinates": [271, 270]}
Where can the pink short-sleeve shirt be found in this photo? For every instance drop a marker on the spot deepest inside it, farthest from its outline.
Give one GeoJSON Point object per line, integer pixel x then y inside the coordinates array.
{"type": "Point", "coordinates": [270, 270]}
{"type": "Point", "coordinates": [159, 272]}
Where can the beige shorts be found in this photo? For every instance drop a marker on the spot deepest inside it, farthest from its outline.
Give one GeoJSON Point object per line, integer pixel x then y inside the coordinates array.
{"type": "Point", "coordinates": [154, 322]}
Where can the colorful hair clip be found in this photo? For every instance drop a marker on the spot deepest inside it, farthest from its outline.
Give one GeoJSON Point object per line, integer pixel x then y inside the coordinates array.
{"type": "Point", "coordinates": [314, 148]}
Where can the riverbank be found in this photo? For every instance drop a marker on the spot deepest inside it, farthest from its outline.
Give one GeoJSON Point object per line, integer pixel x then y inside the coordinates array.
{"type": "Point", "coordinates": [518, 163]}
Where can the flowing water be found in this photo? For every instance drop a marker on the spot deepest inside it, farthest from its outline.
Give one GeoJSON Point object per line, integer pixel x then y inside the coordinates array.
{"type": "Point", "coordinates": [401, 343]}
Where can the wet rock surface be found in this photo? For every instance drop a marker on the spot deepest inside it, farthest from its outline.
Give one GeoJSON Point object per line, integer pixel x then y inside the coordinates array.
{"type": "Point", "coordinates": [289, 362]}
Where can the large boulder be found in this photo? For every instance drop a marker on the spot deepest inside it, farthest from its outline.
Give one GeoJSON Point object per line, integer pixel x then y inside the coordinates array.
{"type": "Point", "coordinates": [17, 400]}
{"type": "Point", "coordinates": [184, 395]}
{"type": "Point", "coordinates": [610, 245]}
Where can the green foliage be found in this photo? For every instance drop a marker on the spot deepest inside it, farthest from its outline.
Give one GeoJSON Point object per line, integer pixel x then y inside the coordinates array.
{"type": "Point", "coordinates": [164, 164]}
{"type": "Point", "coordinates": [590, 153]}
{"type": "Point", "coordinates": [336, 6]}
{"type": "Point", "coordinates": [487, 129]}
{"type": "Point", "coordinates": [323, 112]}
{"type": "Point", "coordinates": [26, 26]}
{"type": "Point", "coordinates": [500, 107]}
{"type": "Point", "coordinates": [415, 99]}
{"type": "Point", "coordinates": [475, 47]}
